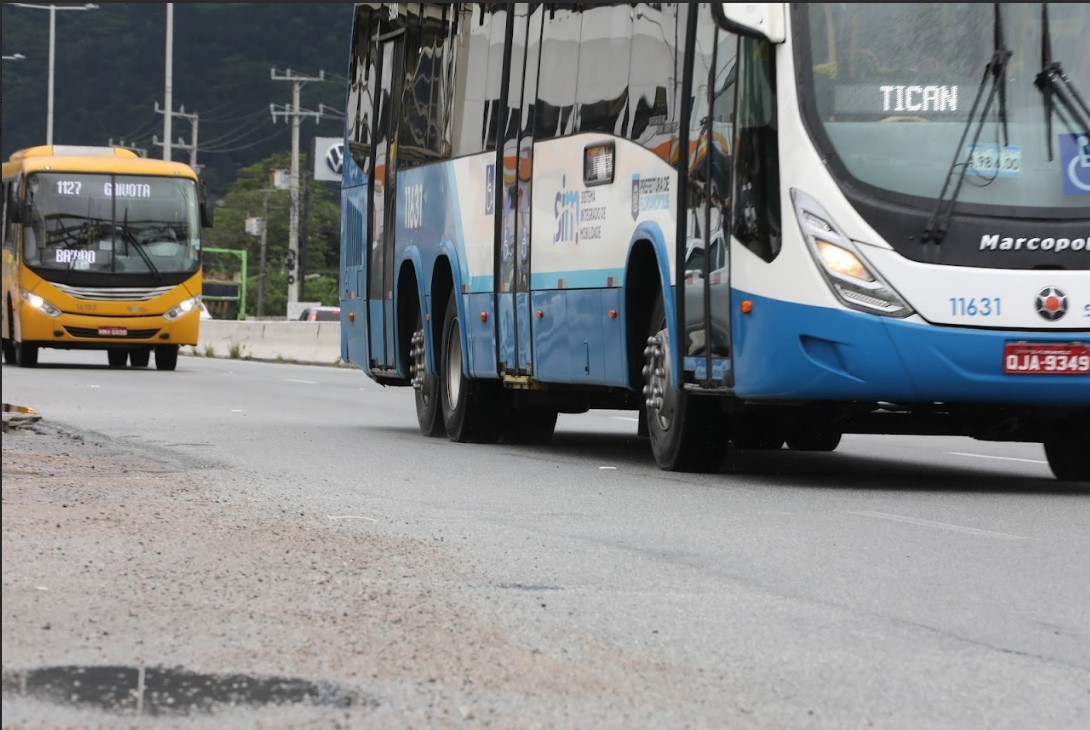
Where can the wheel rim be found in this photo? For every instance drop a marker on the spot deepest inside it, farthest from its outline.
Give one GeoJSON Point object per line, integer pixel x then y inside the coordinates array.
{"type": "Point", "coordinates": [658, 388]}
{"type": "Point", "coordinates": [454, 364]}
{"type": "Point", "coordinates": [419, 367]}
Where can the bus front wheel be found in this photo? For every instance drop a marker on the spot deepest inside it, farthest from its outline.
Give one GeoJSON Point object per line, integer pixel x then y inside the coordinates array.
{"type": "Point", "coordinates": [469, 406]}
{"type": "Point", "coordinates": [166, 357]}
{"type": "Point", "coordinates": [117, 357]}
{"type": "Point", "coordinates": [26, 356]}
{"type": "Point", "coordinates": [9, 351]}
{"type": "Point", "coordinates": [687, 433]}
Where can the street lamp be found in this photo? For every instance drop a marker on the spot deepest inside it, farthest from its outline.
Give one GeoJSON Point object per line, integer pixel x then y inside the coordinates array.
{"type": "Point", "coordinates": [52, 43]}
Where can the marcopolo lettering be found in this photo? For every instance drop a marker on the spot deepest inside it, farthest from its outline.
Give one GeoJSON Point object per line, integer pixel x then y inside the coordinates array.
{"type": "Point", "coordinates": [995, 242]}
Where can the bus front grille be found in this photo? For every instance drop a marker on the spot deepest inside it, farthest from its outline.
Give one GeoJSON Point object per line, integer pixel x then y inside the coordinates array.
{"type": "Point", "coordinates": [93, 332]}
{"type": "Point", "coordinates": [115, 294]}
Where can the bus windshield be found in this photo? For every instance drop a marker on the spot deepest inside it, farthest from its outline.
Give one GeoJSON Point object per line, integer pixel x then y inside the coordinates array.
{"type": "Point", "coordinates": [113, 224]}
{"type": "Point", "coordinates": [889, 89]}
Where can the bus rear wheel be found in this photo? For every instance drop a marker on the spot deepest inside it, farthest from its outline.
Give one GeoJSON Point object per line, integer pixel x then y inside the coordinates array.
{"type": "Point", "coordinates": [9, 351]}
{"type": "Point", "coordinates": [117, 357]}
{"type": "Point", "coordinates": [468, 405]}
{"type": "Point", "coordinates": [429, 415]}
{"type": "Point", "coordinates": [1069, 461]}
{"type": "Point", "coordinates": [166, 357]}
{"type": "Point", "coordinates": [687, 433]}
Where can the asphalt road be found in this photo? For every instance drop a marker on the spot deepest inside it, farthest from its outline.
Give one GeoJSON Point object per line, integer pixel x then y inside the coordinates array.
{"type": "Point", "coordinates": [898, 582]}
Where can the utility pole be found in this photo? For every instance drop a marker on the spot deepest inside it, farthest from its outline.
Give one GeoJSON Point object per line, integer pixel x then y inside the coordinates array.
{"type": "Point", "coordinates": [169, 83]}
{"type": "Point", "coordinates": [194, 121]}
{"type": "Point", "coordinates": [295, 113]}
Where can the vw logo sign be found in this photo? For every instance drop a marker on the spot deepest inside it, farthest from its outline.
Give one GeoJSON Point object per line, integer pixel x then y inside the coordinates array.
{"type": "Point", "coordinates": [334, 158]}
{"type": "Point", "coordinates": [1051, 303]}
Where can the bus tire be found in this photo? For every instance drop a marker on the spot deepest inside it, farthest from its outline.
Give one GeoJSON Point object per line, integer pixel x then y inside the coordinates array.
{"type": "Point", "coordinates": [468, 405]}
{"type": "Point", "coordinates": [1069, 461]}
{"type": "Point", "coordinates": [140, 357]}
{"type": "Point", "coordinates": [166, 357]}
{"type": "Point", "coordinates": [687, 433]}
{"type": "Point", "coordinates": [26, 356]}
{"type": "Point", "coordinates": [117, 357]}
{"type": "Point", "coordinates": [9, 351]}
{"type": "Point", "coordinates": [429, 414]}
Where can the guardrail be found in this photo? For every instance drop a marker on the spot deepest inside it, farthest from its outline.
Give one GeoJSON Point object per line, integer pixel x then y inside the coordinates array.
{"type": "Point", "coordinates": [316, 343]}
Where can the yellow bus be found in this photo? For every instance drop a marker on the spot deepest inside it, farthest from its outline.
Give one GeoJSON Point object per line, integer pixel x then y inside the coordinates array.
{"type": "Point", "coordinates": [101, 251]}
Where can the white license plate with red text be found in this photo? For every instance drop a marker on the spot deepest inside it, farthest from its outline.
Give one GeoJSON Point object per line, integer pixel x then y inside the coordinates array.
{"type": "Point", "coordinates": [1028, 358]}
{"type": "Point", "coordinates": [113, 331]}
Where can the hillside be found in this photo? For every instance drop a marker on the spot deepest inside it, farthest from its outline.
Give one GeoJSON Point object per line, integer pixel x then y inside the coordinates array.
{"type": "Point", "coordinates": [110, 72]}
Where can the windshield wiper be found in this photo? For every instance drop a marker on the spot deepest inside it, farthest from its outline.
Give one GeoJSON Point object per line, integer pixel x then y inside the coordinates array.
{"type": "Point", "coordinates": [996, 68]}
{"type": "Point", "coordinates": [126, 232]}
{"type": "Point", "coordinates": [1052, 80]}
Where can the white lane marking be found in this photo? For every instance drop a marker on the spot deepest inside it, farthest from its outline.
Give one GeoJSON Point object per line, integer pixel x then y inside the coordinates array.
{"type": "Point", "coordinates": [608, 468]}
{"type": "Point", "coordinates": [237, 410]}
{"type": "Point", "coordinates": [625, 418]}
{"type": "Point", "coordinates": [938, 525]}
{"type": "Point", "coordinates": [304, 382]}
{"type": "Point", "coordinates": [352, 517]}
{"type": "Point", "coordinates": [989, 456]}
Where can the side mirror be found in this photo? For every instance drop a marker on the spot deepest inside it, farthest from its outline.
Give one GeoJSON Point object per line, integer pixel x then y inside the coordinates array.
{"type": "Point", "coordinates": [206, 214]}
{"type": "Point", "coordinates": [18, 211]}
{"type": "Point", "coordinates": [756, 20]}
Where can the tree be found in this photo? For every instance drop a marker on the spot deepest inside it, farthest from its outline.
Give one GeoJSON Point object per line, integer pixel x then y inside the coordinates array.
{"type": "Point", "coordinates": [245, 199]}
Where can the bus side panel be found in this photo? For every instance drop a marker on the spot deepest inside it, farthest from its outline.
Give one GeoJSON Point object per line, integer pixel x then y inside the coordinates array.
{"type": "Point", "coordinates": [786, 350]}
{"type": "Point", "coordinates": [578, 339]}
{"type": "Point", "coordinates": [581, 241]}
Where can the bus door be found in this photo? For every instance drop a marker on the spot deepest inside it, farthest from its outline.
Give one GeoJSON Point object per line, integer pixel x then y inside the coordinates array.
{"type": "Point", "coordinates": [706, 296]}
{"type": "Point", "coordinates": [383, 187]}
{"type": "Point", "coordinates": [517, 157]}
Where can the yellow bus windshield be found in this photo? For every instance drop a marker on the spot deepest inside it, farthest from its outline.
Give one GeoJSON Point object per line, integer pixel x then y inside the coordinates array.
{"type": "Point", "coordinates": [110, 223]}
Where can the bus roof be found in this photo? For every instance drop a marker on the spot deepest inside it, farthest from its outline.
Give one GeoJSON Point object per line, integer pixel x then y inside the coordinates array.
{"type": "Point", "coordinates": [76, 158]}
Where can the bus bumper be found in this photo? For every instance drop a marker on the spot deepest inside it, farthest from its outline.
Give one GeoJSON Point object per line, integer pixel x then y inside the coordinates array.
{"type": "Point", "coordinates": [75, 331]}
{"type": "Point", "coordinates": [786, 351]}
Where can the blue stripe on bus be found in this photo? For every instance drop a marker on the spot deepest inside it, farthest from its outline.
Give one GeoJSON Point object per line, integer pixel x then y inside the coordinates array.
{"type": "Point", "coordinates": [793, 351]}
{"type": "Point", "coordinates": [590, 279]}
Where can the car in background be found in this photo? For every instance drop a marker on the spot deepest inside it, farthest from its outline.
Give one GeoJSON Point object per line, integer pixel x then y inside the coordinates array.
{"type": "Point", "coordinates": [321, 314]}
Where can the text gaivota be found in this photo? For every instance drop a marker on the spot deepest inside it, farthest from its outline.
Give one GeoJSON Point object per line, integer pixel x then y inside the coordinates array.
{"type": "Point", "coordinates": [128, 190]}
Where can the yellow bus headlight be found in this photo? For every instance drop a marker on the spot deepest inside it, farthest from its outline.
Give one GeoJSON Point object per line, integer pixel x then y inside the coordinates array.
{"type": "Point", "coordinates": [183, 307]}
{"type": "Point", "coordinates": [42, 305]}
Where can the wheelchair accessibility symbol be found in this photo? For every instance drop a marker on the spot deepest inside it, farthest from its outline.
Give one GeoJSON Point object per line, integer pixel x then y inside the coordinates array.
{"type": "Point", "coordinates": [1075, 157]}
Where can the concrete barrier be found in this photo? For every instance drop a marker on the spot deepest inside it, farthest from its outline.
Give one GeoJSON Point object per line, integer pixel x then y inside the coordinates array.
{"type": "Point", "coordinates": [288, 341]}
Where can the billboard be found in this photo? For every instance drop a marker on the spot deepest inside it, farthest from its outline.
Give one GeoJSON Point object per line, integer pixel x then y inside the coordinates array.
{"type": "Point", "coordinates": [328, 156]}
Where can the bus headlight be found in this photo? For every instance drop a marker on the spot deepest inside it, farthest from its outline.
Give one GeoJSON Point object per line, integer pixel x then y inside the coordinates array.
{"type": "Point", "coordinates": [183, 307]}
{"type": "Point", "coordinates": [42, 305]}
{"type": "Point", "coordinates": [846, 271]}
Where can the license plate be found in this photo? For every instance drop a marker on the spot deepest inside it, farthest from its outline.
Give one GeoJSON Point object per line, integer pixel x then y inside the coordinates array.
{"type": "Point", "coordinates": [1027, 358]}
{"type": "Point", "coordinates": [112, 331]}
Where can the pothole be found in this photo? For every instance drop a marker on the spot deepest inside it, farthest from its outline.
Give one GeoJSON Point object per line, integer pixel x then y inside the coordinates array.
{"type": "Point", "coordinates": [19, 416]}
{"type": "Point", "coordinates": [155, 691]}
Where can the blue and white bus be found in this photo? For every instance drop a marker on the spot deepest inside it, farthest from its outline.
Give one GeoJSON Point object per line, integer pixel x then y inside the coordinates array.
{"type": "Point", "coordinates": [757, 225]}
